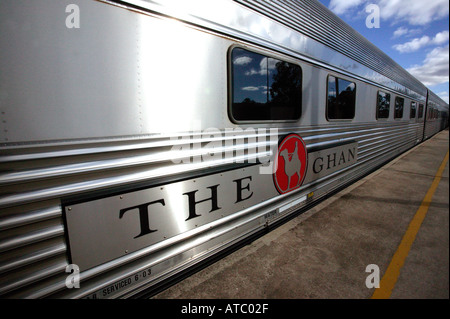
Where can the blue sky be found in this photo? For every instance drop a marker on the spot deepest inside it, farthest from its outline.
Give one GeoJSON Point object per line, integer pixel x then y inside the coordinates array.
{"type": "Point", "coordinates": [414, 33]}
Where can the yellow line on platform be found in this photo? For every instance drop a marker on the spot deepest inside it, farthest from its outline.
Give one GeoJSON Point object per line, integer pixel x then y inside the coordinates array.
{"type": "Point", "coordinates": [392, 273]}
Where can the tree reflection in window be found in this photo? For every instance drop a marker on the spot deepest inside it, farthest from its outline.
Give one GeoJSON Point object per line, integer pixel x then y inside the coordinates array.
{"type": "Point", "coordinates": [383, 105]}
{"type": "Point", "coordinates": [264, 88]}
{"type": "Point", "coordinates": [398, 112]}
{"type": "Point", "coordinates": [341, 99]}
{"type": "Point", "coordinates": [412, 113]}
{"type": "Point", "coordinates": [420, 115]}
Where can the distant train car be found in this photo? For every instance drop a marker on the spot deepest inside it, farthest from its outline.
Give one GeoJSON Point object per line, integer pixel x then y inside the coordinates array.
{"type": "Point", "coordinates": [436, 117]}
{"type": "Point", "coordinates": [139, 139]}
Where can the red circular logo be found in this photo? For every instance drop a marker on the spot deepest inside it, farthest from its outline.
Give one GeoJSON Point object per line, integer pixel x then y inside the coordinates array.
{"type": "Point", "coordinates": [290, 164]}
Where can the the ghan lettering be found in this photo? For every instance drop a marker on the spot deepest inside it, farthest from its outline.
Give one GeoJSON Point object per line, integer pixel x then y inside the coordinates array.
{"type": "Point", "coordinates": [243, 193]}
{"type": "Point", "coordinates": [333, 160]}
{"type": "Point", "coordinates": [239, 189]}
{"type": "Point", "coordinates": [143, 216]}
{"type": "Point", "coordinates": [127, 223]}
{"type": "Point", "coordinates": [193, 202]}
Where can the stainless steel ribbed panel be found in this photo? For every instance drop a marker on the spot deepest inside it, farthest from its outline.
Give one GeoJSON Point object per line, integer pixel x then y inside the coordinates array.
{"type": "Point", "coordinates": [32, 243]}
{"type": "Point", "coordinates": [437, 101]}
{"type": "Point", "coordinates": [313, 19]}
{"type": "Point", "coordinates": [98, 116]}
{"type": "Point", "coordinates": [439, 120]}
{"type": "Point", "coordinates": [248, 23]}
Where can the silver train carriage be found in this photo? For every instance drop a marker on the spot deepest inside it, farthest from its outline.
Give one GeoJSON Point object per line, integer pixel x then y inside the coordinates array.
{"type": "Point", "coordinates": [142, 138]}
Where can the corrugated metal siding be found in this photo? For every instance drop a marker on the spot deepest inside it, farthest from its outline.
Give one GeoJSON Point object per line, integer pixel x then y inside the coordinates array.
{"type": "Point", "coordinates": [34, 179]}
{"type": "Point", "coordinates": [434, 98]}
{"type": "Point", "coordinates": [33, 250]}
{"type": "Point", "coordinates": [314, 20]}
{"type": "Point", "coordinates": [32, 245]}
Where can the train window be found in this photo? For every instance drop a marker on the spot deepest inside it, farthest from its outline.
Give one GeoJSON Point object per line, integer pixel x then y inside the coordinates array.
{"type": "Point", "coordinates": [430, 113]}
{"type": "Point", "coordinates": [398, 112]}
{"type": "Point", "coordinates": [412, 113]}
{"type": "Point", "coordinates": [383, 104]}
{"type": "Point", "coordinates": [264, 88]}
{"type": "Point", "coordinates": [341, 99]}
{"type": "Point", "coordinates": [420, 115]}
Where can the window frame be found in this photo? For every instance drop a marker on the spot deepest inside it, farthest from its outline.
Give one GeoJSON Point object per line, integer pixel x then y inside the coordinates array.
{"type": "Point", "coordinates": [403, 108]}
{"type": "Point", "coordinates": [419, 113]}
{"type": "Point", "coordinates": [326, 98]}
{"type": "Point", "coordinates": [377, 106]}
{"type": "Point", "coordinates": [411, 108]}
{"type": "Point", "coordinates": [230, 88]}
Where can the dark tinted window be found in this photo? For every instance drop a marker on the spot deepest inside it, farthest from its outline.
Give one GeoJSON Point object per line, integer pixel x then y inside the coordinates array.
{"type": "Point", "coordinates": [398, 112]}
{"type": "Point", "coordinates": [341, 99]}
{"type": "Point", "coordinates": [412, 113]}
{"type": "Point", "coordinates": [420, 111]}
{"type": "Point", "coordinates": [264, 88]}
{"type": "Point", "coordinates": [383, 105]}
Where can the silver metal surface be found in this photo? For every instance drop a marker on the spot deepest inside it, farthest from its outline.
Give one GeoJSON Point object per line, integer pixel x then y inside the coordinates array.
{"type": "Point", "coordinates": [328, 160]}
{"type": "Point", "coordinates": [119, 86]}
{"type": "Point", "coordinates": [108, 228]}
{"type": "Point", "coordinates": [107, 110]}
{"type": "Point", "coordinates": [327, 37]}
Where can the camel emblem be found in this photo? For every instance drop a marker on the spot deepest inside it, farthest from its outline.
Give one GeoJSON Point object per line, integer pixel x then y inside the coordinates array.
{"type": "Point", "coordinates": [290, 168]}
{"type": "Point", "coordinates": [292, 165]}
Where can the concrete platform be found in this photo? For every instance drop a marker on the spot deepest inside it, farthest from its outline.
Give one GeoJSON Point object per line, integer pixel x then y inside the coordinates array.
{"type": "Point", "coordinates": [324, 252]}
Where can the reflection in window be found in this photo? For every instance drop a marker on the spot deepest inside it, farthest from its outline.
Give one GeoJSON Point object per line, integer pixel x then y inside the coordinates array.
{"type": "Point", "coordinates": [383, 104]}
{"type": "Point", "coordinates": [420, 115]}
{"type": "Point", "coordinates": [412, 113]}
{"type": "Point", "coordinates": [434, 113]}
{"type": "Point", "coordinates": [398, 112]}
{"type": "Point", "coordinates": [341, 99]}
{"type": "Point", "coordinates": [264, 88]}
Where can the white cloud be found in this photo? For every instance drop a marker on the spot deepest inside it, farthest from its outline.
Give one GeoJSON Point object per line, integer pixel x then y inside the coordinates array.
{"type": "Point", "coordinates": [413, 45]}
{"type": "Point", "coordinates": [434, 69]}
{"type": "Point", "coordinates": [242, 60]}
{"type": "Point", "coordinates": [342, 6]}
{"type": "Point", "coordinates": [441, 37]}
{"type": "Point", "coordinates": [250, 88]}
{"type": "Point", "coordinates": [252, 72]}
{"type": "Point", "coordinates": [417, 43]}
{"type": "Point", "coordinates": [264, 64]}
{"type": "Point", "coordinates": [415, 12]}
{"type": "Point", "coordinates": [263, 67]}
{"type": "Point", "coordinates": [400, 31]}
{"type": "Point", "coordinates": [405, 32]}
